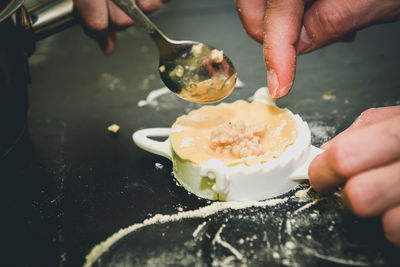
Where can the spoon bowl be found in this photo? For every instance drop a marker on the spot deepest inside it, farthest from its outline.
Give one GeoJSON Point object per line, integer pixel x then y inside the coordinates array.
{"type": "Point", "coordinates": [195, 71]}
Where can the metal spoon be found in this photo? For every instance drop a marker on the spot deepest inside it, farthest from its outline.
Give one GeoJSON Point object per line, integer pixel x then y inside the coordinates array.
{"type": "Point", "coordinates": [195, 71]}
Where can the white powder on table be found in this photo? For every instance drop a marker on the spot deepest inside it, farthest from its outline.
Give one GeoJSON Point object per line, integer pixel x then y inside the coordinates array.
{"type": "Point", "coordinates": [159, 218]}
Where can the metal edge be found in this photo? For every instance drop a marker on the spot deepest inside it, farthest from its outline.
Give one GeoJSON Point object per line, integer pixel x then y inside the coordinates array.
{"type": "Point", "coordinates": [10, 9]}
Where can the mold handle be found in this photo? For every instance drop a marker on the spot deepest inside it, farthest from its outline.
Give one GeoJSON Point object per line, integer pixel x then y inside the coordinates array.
{"type": "Point", "coordinates": [301, 173]}
{"type": "Point", "coordinates": [142, 140]}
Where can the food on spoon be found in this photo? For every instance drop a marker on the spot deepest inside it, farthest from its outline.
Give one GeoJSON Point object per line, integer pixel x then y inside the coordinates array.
{"type": "Point", "coordinates": [217, 56]}
{"type": "Point", "coordinates": [177, 72]}
{"type": "Point", "coordinates": [197, 49]}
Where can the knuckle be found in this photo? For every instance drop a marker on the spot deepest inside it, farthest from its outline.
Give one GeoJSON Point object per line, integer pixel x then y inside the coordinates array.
{"type": "Point", "coordinates": [339, 157]}
{"type": "Point", "coordinates": [366, 114]}
{"type": "Point", "coordinates": [121, 21]}
{"type": "Point", "coordinates": [332, 20]}
{"type": "Point", "coordinates": [365, 117]}
{"type": "Point", "coordinates": [394, 134]}
{"type": "Point", "coordinates": [96, 25]}
{"type": "Point", "coordinates": [149, 6]}
{"type": "Point", "coordinates": [360, 199]}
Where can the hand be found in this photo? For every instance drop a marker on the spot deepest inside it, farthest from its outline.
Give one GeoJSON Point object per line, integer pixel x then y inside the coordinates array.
{"type": "Point", "coordinates": [366, 159]}
{"type": "Point", "coordinates": [102, 18]}
{"type": "Point", "coordinates": [286, 29]}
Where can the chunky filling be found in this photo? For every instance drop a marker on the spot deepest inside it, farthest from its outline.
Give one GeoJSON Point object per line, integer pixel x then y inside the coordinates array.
{"type": "Point", "coordinates": [238, 139]}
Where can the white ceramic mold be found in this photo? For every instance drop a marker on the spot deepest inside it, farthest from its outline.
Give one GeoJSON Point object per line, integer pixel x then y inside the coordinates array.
{"type": "Point", "coordinates": [216, 181]}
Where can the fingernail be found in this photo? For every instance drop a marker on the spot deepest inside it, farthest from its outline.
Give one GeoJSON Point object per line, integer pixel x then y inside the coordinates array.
{"type": "Point", "coordinates": [304, 41]}
{"type": "Point", "coordinates": [282, 91]}
{"type": "Point", "coordinates": [107, 44]}
{"type": "Point", "coordinates": [273, 82]}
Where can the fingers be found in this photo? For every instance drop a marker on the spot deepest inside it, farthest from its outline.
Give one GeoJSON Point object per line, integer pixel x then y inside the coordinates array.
{"type": "Point", "coordinates": [282, 23]}
{"type": "Point", "coordinates": [372, 192]}
{"type": "Point", "coordinates": [375, 115]}
{"type": "Point", "coordinates": [119, 20]}
{"type": "Point", "coordinates": [369, 117]}
{"type": "Point", "coordinates": [148, 6]}
{"type": "Point", "coordinates": [391, 225]}
{"type": "Point", "coordinates": [109, 43]}
{"type": "Point", "coordinates": [100, 18]}
{"type": "Point", "coordinates": [94, 17]}
{"type": "Point", "coordinates": [251, 13]}
{"type": "Point", "coordinates": [327, 21]}
{"type": "Point", "coordinates": [354, 152]}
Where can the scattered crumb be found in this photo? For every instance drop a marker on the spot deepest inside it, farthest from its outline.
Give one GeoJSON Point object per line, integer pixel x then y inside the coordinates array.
{"type": "Point", "coordinates": [114, 128]}
{"type": "Point", "coordinates": [217, 56]}
{"type": "Point", "coordinates": [275, 255]}
{"type": "Point", "coordinates": [142, 103]}
{"type": "Point", "coordinates": [162, 68]}
{"type": "Point", "coordinates": [308, 237]}
{"type": "Point", "coordinates": [330, 95]}
{"type": "Point", "coordinates": [301, 194]}
{"type": "Point", "coordinates": [337, 194]}
{"type": "Point", "coordinates": [111, 82]}
{"type": "Point", "coordinates": [159, 166]}
{"type": "Point", "coordinates": [290, 245]}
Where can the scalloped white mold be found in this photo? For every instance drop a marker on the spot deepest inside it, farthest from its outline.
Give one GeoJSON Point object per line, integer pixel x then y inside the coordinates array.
{"type": "Point", "coordinates": [216, 181]}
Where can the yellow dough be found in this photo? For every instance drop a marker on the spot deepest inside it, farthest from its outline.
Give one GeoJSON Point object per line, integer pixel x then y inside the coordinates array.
{"type": "Point", "coordinates": [190, 135]}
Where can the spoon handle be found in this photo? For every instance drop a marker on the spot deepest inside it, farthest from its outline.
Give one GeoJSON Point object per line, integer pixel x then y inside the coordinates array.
{"type": "Point", "coordinates": [141, 19]}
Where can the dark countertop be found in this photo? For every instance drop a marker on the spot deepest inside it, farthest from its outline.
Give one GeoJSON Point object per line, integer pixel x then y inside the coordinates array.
{"type": "Point", "coordinates": [70, 184]}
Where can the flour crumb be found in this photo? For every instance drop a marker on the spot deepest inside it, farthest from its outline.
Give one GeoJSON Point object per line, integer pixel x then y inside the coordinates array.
{"type": "Point", "coordinates": [158, 166]}
{"type": "Point", "coordinates": [198, 229]}
{"type": "Point", "coordinates": [275, 255]}
{"type": "Point", "coordinates": [114, 128]}
{"type": "Point", "coordinates": [301, 194]}
{"type": "Point", "coordinates": [329, 95]}
{"type": "Point", "coordinates": [142, 103]}
{"type": "Point", "coordinates": [290, 245]}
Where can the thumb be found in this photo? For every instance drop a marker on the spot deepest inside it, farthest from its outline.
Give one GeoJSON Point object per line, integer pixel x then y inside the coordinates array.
{"type": "Point", "coordinates": [328, 21]}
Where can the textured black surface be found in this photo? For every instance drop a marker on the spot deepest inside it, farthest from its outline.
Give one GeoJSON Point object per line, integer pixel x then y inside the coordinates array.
{"type": "Point", "coordinates": [71, 184]}
{"type": "Point", "coordinates": [308, 231]}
